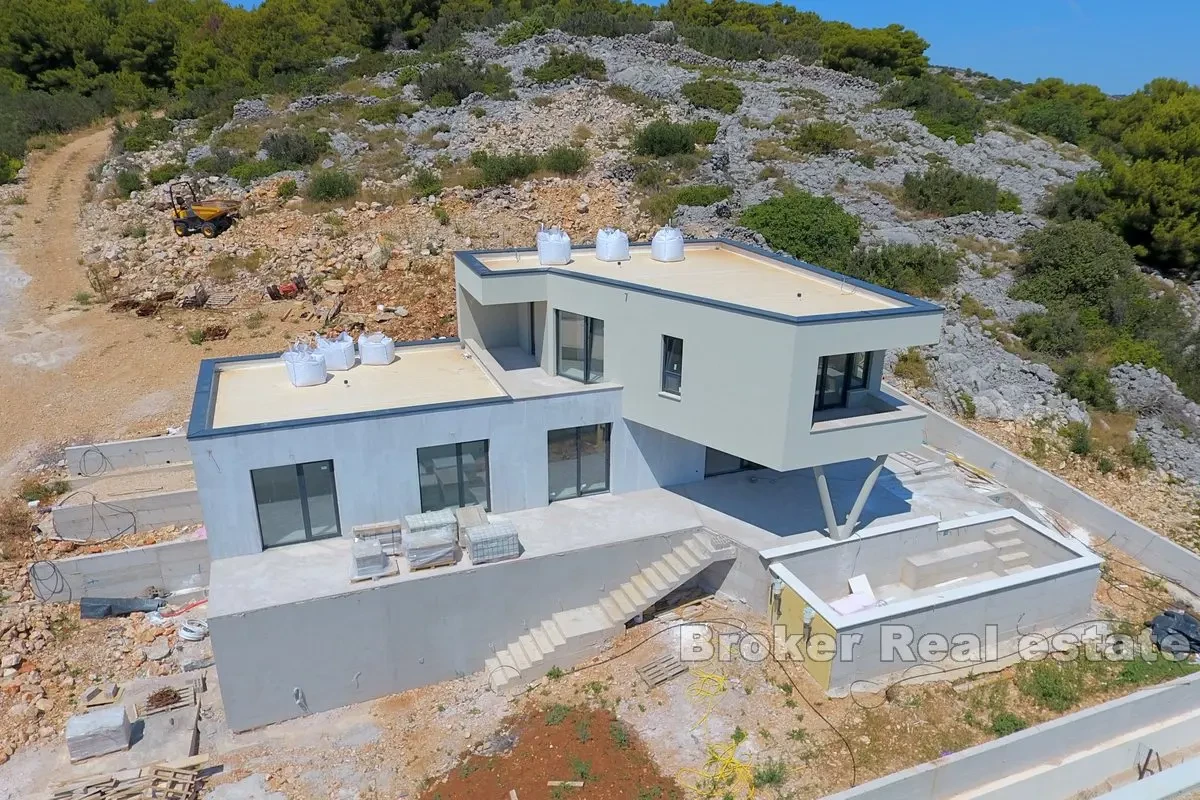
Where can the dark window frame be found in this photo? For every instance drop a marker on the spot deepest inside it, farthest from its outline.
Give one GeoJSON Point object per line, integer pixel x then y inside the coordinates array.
{"type": "Point", "coordinates": [458, 459]}
{"type": "Point", "coordinates": [667, 339]}
{"type": "Point", "coordinates": [607, 426]}
{"type": "Point", "coordinates": [848, 380]}
{"type": "Point", "coordinates": [588, 328]}
{"type": "Point", "coordinates": [851, 381]}
{"type": "Point", "coordinates": [302, 486]}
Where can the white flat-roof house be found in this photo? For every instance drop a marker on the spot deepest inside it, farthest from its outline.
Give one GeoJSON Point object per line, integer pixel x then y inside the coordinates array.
{"type": "Point", "coordinates": [581, 403]}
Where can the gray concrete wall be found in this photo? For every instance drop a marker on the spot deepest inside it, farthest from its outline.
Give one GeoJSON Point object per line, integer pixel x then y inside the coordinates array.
{"type": "Point", "coordinates": [1046, 605]}
{"type": "Point", "coordinates": [375, 460]}
{"type": "Point", "coordinates": [1059, 758]}
{"type": "Point", "coordinates": [493, 326]}
{"type": "Point", "coordinates": [747, 380]}
{"type": "Point", "coordinates": [1156, 552]}
{"type": "Point", "coordinates": [103, 519]}
{"type": "Point", "coordinates": [93, 459]}
{"type": "Point", "coordinates": [170, 566]}
{"type": "Point", "coordinates": [379, 640]}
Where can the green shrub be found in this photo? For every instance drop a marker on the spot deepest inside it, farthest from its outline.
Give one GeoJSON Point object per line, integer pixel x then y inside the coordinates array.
{"type": "Point", "coordinates": [520, 31]}
{"type": "Point", "coordinates": [499, 170]}
{"type": "Point", "coordinates": [1078, 436]}
{"type": "Point", "coordinates": [162, 174]}
{"type": "Point", "coordinates": [632, 97]}
{"type": "Point", "coordinates": [219, 162]}
{"type": "Point", "coordinates": [148, 132]}
{"type": "Point", "coordinates": [911, 366]}
{"type": "Point", "coordinates": [703, 131]}
{"type": "Point", "coordinates": [1006, 723]}
{"type": "Point", "coordinates": [286, 189]}
{"type": "Point", "coordinates": [425, 182]}
{"type": "Point", "coordinates": [1075, 263]}
{"type": "Point", "coordinates": [128, 182]}
{"type": "Point", "coordinates": [1058, 336]}
{"type": "Point", "coordinates": [662, 138]}
{"type": "Point", "coordinates": [294, 148]}
{"type": "Point", "coordinates": [923, 270]}
{"type": "Point", "coordinates": [562, 65]}
{"type": "Point", "coordinates": [9, 167]}
{"type": "Point", "coordinates": [701, 195]}
{"type": "Point", "coordinates": [1050, 684]}
{"type": "Point", "coordinates": [719, 95]}
{"type": "Point", "coordinates": [249, 171]}
{"type": "Point", "coordinates": [565, 160]}
{"type": "Point", "coordinates": [948, 192]}
{"type": "Point", "coordinates": [478, 112]}
{"type": "Point", "coordinates": [450, 82]}
{"type": "Point", "coordinates": [1135, 351]}
{"type": "Point", "coordinates": [939, 103]}
{"type": "Point", "coordinates": [32, 489]}
{"type": "Point", "coordinates": [739, 44]}
{"type": "Point", "coordinates": [771, 772]}
{"type": "Point", "coordinates": [387, 112]}
{"type": "Point", "coordinates": [867, 51]}
{"type": "Point", "coordinates": [332, 185]}
{"type": "Point", "coordinates": [1138, 453]}
{"type": "Point", "coordinates": [823, 137]}
{"type": "Point", "coordinates": [604, 23]}
{"type": "Point", "coordinates": [1089, 384]}
{"type": "Point", "coordinates": [813, 229]}
{"type": "Point", "coordinates": [1083, 198]}
{"type": "Point", "coordinates": [1105, 465]}
{"type": "Point", "coordinates": [1008, 201]}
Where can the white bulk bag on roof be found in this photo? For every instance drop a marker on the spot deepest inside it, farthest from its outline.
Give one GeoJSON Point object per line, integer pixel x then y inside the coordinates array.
{"type": "Point", "coordinates": [667, 244]}
{"type": "Point", "coordinates": [554, 247]}
{"type": "Point", "coordinates": [376, 349]}
{"type": "Point", "coordinates": [338, 353]}
{"type": "Point", "coordinates": [612, 245]}
{"type": "Point", "coordinates": [304, 367]}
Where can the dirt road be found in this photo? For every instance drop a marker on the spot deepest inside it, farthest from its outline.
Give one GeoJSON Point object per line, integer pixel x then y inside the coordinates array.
{"type": "Point", "coordinates": [71, 373]}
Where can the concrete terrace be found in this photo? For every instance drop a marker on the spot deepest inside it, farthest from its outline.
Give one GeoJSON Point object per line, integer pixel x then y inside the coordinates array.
{"type": "Point", "coordinates": [757, 509]}
{"type": "Point", "coordinates": [716, 271]}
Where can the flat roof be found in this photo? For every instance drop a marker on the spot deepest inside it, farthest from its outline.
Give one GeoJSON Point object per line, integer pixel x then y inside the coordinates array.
{"type": "Point", "coordinates": [257, 391]}
{"type": "Point", "coordinates": [721, 272]}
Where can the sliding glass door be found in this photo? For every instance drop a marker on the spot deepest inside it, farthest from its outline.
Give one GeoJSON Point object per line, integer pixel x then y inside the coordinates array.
{"type": "Point", "coordinates": [296, 503]}
{"type": "Point", "coordinates": [578, 461]}
{"type": "Point", "coordinates": [454, 475]}
{"type": "Point", "coordinates": [580, 347]}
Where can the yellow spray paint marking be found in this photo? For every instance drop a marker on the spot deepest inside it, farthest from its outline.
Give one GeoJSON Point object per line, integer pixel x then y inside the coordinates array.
{"type": "Point", "coordinates": [723, 770]}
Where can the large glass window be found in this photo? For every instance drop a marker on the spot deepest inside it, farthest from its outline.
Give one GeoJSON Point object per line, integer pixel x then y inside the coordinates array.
{"type": "Point", "coordinates": [717, 462]}
{"type": "Point", "coordinates": [580, 347]}
{"type": "Point", "coordinates": [836, 375]}
{"type": "Point", "coordinates": [578, 461]}
{"type": "Point", "coordinates": [454, 475]}
{"type": "Point", "coordinates": [672, 365]}
{"type": "Point", "coordinates": [296, 503]}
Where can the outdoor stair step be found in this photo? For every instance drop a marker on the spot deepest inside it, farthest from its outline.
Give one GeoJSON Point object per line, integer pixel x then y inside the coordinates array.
{"type": "Point", "coordinates": [676, 565]}
{"type": "Point", "coordinates": [1004, 529]}
{"type": "Point", "coordinates": [612, 609]}
{"type": "Point", "coordinates": [637, 598]}
{"type": "Point", "coordinates": [543, 641]}
{"type": "Point", "coordinates": [644, 588]}
{"type": "Point", "coordinates": [623, 602]}
{"type": "Point", "coordinates": [686, 557]}
{"type": "Point", "coordinates": [666, 574]}
{"type": "Point", "coordinates": [553, 633]}
{"type": "Point", "coordinates": [652, 578]}
{"type": "Point", "coordinates": [1004, 544]}
{"type": "Point", "coordinates": [1010, 560]}
{"type": "Point", "coordinates": [585, 620]}
{"type": "Point", "coordinates": [520, 660]}
{"type": "Point", "coordinates": [532, 651]}
{"type": "Point", "coordinates": [699, 549]}
{"type": "Point", "coordinates": [1019, 568]}
{"type": "Point", "coordinates": [505, 657]}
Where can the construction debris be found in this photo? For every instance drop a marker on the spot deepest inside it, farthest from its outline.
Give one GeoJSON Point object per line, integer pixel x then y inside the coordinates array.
{"type": "Point", "coordinates": [161, 781]}
{"type": "Point", "coordinates": [99, 732]}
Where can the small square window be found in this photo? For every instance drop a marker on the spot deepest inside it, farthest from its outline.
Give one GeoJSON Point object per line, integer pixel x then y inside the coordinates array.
{"type": "Point", "coordinates": [672, 365]}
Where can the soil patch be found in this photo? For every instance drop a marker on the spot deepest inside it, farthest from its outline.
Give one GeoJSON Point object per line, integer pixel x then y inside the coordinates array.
{"type": "Point", "coordinates": [558, 743]}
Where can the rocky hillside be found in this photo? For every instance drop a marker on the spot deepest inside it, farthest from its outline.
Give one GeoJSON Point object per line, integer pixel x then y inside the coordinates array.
{"type": "Point", "coordinates": [378, 257]}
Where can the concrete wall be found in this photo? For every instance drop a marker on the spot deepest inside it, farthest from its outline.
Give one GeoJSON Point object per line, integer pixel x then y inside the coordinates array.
{"type": "Point", "coordinates": [1057, 759]}
{"type": "Point", "coordinates": [1156, 552]}
{"type": "Point", "coordinates": [383, 639]}
{"type": "Point", "coordinates": [375, 460]}
{"type": "Point", "coordinates": [103, 519]}
{"type": "Point", "coordinates": [170, 566]}
{"type": "Point", "coordinates": [93, 459]}
{"type": "Point", "coordinates": [747, 380]}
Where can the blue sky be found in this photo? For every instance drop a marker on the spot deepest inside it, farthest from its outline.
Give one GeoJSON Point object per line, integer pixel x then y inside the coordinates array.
{"type": "Point", "coordinates": [1117, 44]}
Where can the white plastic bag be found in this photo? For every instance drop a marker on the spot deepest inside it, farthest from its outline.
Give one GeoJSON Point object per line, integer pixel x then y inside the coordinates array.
{"type": "Point", "coordinates": [376, 349]}
{"type": "Point", "coordinates": [304, 367]}
{"type": "Point", "coordinates": [554, 247]}
{"type": "Point", "coordinates": [339, 352]}
{"type": "Point", "coordinates": [667, 245]}
{"type": "Point", "coordinates": [612, 245]}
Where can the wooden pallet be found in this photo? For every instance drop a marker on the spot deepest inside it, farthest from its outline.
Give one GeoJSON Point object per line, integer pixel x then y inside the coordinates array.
{"type": "Point", "coordinates": [160, 782]}
{"type": "Point", "coordinates": [661, 669]}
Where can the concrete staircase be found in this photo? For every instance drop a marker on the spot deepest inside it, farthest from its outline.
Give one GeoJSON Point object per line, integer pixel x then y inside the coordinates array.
{"type": "Point", "coordinates": [1011, 558]}
{"type": "Point", "coordinates": [568, 637]}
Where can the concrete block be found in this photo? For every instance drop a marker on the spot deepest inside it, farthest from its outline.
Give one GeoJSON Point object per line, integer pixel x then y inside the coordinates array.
{"type": "Point", "coordinates": [97, 733]}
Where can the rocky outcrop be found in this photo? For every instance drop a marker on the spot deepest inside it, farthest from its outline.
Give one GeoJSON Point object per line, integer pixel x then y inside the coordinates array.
{"type": "Point", "coordinates": [1168, 421]}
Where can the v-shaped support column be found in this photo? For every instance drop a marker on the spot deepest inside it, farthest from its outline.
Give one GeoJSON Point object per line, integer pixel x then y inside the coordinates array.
{"type": "Point", "coordinates": [834, 530]}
